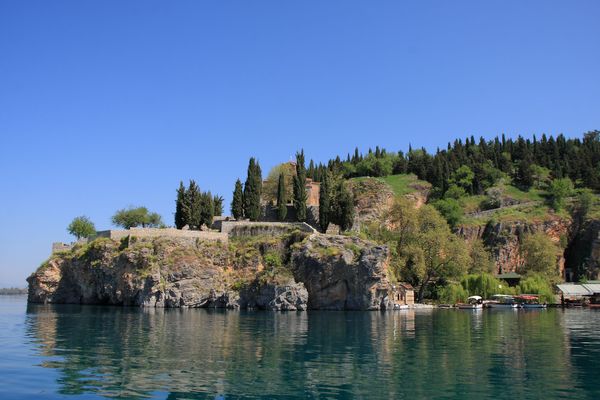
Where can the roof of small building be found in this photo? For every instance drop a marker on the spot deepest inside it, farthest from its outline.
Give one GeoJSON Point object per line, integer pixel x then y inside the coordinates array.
{"type": "Point", "coordinates": [574, 289]}
{"type": "Point", "coordinates": [592, 287]}
{"type": "Point", "coordinates": [509, 275]}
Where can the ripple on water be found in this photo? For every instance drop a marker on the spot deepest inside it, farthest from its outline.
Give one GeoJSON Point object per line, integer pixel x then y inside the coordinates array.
{"type": "Point", "coordinates": [85, 352]}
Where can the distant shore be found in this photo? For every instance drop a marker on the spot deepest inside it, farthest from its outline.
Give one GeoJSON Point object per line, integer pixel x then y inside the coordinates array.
{"type": "Point", "coordinates": [12, 291]}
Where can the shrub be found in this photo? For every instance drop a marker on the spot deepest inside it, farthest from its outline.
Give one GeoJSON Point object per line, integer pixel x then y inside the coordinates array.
{"type": "Point", "coordinates": [453, 293]}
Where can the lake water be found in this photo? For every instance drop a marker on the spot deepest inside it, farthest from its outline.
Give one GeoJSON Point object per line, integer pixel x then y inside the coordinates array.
{"type": "Point", "coordinates": [83, 352]}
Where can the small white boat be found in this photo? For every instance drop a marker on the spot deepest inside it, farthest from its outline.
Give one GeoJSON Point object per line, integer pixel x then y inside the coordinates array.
{"type": "Point", "coordinates": [473, 303]}
{"type": "Point", "coordinates": [502, 301]}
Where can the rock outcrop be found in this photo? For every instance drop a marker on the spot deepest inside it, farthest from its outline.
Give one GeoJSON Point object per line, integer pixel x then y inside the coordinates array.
{"type": "Point", "coordinates": [504, 239]}
{"type": "Point", "coordinates": [343, 273]}
{"type": "Point", "coordinates": [291, 272]}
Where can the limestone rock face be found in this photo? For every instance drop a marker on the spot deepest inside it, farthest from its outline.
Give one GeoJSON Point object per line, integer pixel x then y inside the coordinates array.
{"type": "Point", "coordinates": [504, 239]}
{"type": "Point", "coordinates": [284, 274]}
{"type": "Point", "coordinates": [156, 273]}
{"type": "Point", "coordinates": [290, 297]}
{"type": "Point", "coordinates": [343, 273]}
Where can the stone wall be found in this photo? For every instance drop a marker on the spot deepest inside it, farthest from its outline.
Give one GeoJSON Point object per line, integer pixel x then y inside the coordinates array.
{"type": "Point", "coordinates": [60, 246]}
{"type": "Point", "coordinates": [269, 214]}
{"type": "Point", "coordinates": [157, 232]}
{"type": "Point", "coordinates": [248, 228]}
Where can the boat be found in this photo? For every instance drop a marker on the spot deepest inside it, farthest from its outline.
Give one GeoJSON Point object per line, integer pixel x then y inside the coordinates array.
{"type": "Point", "coordinates": [530, 301]}
{"type": "Point", "coordinates": [502, 301]}
{"type": "Point", "coordinates": [473, 303]}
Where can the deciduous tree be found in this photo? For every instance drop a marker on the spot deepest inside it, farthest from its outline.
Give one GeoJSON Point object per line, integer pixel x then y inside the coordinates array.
{"type": "Point", "coordinates": [81, 227]}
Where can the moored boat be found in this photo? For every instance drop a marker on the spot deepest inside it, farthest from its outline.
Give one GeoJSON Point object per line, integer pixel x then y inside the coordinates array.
{"type": "Point", "coordinates": [528, 301]}
{"type": "Point", "coordinates": [473, 303]}
{"type": "Point", "coordinates": [502, 301]}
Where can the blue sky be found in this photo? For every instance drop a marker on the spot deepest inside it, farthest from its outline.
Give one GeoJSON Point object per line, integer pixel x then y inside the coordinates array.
{"type": "Point", "coordinates": [105, 104]}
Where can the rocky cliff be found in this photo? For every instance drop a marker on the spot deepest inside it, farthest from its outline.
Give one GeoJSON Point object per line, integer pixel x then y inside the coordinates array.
{"type": "Point", "coordinates": [504, 239]}
{"type": "Point", "coordinates": [290, 272]}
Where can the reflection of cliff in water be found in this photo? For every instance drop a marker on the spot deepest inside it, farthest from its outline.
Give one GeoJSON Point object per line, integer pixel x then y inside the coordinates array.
{"type": "Point", "coordinates": [582, 328]}
{"type": "Point", "coordinates": [128, 352]}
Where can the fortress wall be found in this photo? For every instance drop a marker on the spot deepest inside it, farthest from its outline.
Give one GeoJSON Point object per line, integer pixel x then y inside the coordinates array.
{"type": "Point", "coordinates": [248, 228]}
{"type": "Point", "coordinates": [157, 232]}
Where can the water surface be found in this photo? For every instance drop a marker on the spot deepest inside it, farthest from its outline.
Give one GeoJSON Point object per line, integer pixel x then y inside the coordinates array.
{"type": "Point", "coordinates": [81, 352]}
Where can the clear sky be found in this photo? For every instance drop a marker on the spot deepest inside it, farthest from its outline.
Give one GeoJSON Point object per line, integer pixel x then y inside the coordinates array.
{"type": "Point", "coordinates": [105, 104]}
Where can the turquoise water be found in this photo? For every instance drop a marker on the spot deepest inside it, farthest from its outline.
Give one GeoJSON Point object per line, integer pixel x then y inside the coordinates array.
{"type": "Point", "coordinates": [94, 352]}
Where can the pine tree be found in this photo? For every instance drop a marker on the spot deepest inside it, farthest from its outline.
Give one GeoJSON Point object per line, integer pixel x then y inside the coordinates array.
{"type": "Point", "coordinates": [180, 217]}
{"type": "Point", "coordinates": [237, 205]}
{"type": "Point", "coordinates": [324, 202]}
{"type": "Point", "coordinates": [253, 191]}
{"type": "Point", "coordinates": [281, 200]}
{"type": "Point", "coordinates": [300, 188]}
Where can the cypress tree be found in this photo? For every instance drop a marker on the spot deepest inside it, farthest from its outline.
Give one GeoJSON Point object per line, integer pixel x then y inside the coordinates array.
{"type": "Point", "coordinates": [300, 188]}
{"type": "Point", "coordinates": [180, 220]}
{"type": "Point", "coordinates": [218, 205]}
{"type": "Point", "coordinates": [193, 205]}
{"type": "Point", "coordinates": [281, 200]}
{"type": "Point", "coordinates": [324, 202]}
{"type": "Point", "coordinates": [253, 191]}
{"type": "Point", "coordinates": [237, 204]}
{"type": "Point", "coordinates": [345, 207]}
{"type": "Point", "coordinates": [206, 209]}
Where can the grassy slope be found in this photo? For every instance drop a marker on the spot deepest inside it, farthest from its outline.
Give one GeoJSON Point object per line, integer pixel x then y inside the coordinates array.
{"type": "Point", "coordinates": [538, 211]}
{"type": "Point", "coordinates": [401, 184]}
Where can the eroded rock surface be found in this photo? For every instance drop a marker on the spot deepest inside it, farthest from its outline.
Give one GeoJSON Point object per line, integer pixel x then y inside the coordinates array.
{"type": "Point", "coordinates": [343, 273]}
{"type": "Point", "coordinates": [294, 272]}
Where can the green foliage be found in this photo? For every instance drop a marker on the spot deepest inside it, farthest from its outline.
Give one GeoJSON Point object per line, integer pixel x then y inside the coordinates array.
{"type": "Point", "coordinates": [180, 207]}
{"type": "Point", "coordinates": [270, 188]}
{"type": "Point", "coordinates": [253, 191]}
{"type": "Point", "coordinates": [455, 192]}
{"type": "Point", "coordinates": [325, 202]}
{"type": "Point", "coordinates": [463, 178]}
{"type": "Point", "coordinates": [237, 204]}
{"type": "Point", "coordinates": [452, 294]}
{"type": "Point", "coordinates": [451, 210]}
{"type": "Point", "coordinates": [583, 204]}
{"type": "Point", "coordinates": [281, 198]}
{"type": "Point", "coordinates": [343, 207]}
{"type": "Point", "coordinates": [136, 216]}
{"type": "Point", "coordinates": [540, 255]}
{"type": "Point", "coordinates": [558, 190]}
{"type": "Point", "coordinates": [476, 166]}
{"type": "Point", "coordinates": [494, 198]}
{"type": "Point", "coordinates": [218, 205]}
{"type": "Point", "coordinates": [81, 227]}
{"type": "Point", "coordinates": [375, 165]}
{"type": "Point", "coordinates": [355, 249]}
{"type": "Point", "coordinates": [195, 208]}
{"type": "Point", "coordinates": [541, 176]}
{"type": "Point", "coordinates": [537, 284]}
{"type": "Point", "coordinates": [328, 252]}
{"type": "Point", "coordinates": [485, 285]}
{"type": "Point", "coordinates": [481, 259]}
{"type": "Point", "coordinates": [300, 187]}
{"type": "Point", "coordinates": [423, 247]}
{"type": "Point", "coordinates": [272, 259]}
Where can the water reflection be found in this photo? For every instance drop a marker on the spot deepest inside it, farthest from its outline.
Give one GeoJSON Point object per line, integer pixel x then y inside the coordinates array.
{"type": "Point", "coordinates": [176, 354]}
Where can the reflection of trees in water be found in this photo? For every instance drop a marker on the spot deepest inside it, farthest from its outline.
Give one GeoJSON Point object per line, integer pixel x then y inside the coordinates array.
{"type": "Point", "coordinates": [132, 353]}
{"type": "Point", "coordinates": [582, 329]}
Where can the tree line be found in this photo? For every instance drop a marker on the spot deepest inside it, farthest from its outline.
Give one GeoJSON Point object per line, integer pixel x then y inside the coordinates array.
{"type": "Point", "coordinates": [336, 204]}
{"type": "Point", "coordinates": [475, 166]}
{"type": "Point", "coordinates": [195, 208]}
